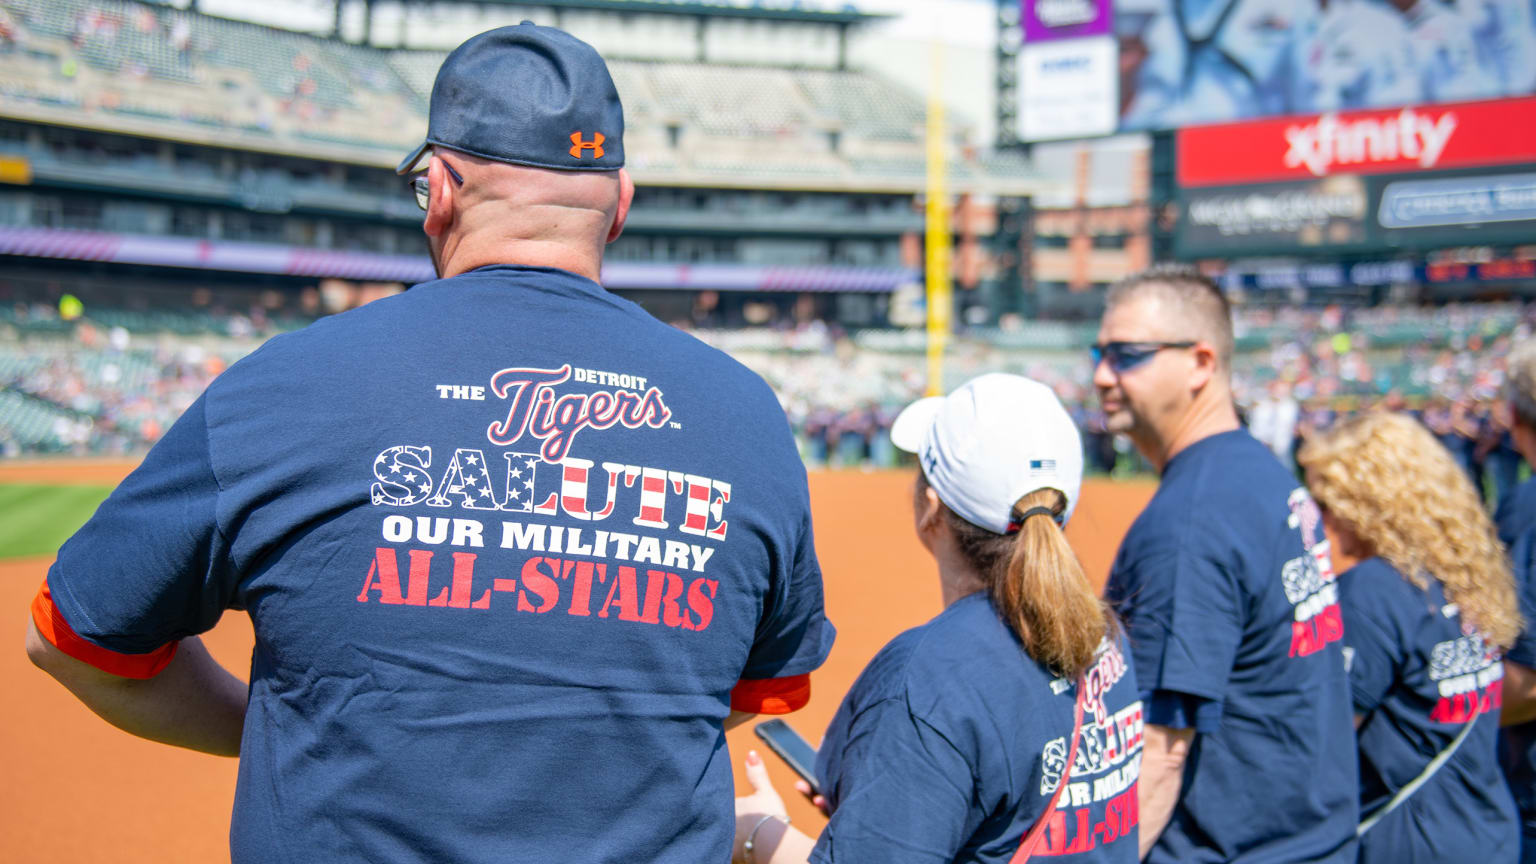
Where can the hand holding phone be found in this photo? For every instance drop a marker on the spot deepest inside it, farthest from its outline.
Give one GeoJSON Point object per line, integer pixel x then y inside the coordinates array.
{"type": "Point", "coordinates": [793, 749]}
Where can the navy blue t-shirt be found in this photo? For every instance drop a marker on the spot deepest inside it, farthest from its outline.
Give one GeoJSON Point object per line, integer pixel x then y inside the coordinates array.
{"type": "Point", "coordinates": [1417, 678]}
{"type": "Point", "coordinates": [507, 543]}
{"type": "Point", "coordinates": [952, 741]}
{"type": "Point", "coordinates": [1228, 596]}
{"type": "Point", "coordinates": [1518, 744]}
{"type": "Point", "coordinates": [1516, 514]}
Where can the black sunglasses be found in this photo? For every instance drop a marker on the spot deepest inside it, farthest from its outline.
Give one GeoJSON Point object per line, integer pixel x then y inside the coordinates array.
{"type": "Point", "coordinates": [1125, 356]}
{"type": "Point", "coordinates": [423, 189]}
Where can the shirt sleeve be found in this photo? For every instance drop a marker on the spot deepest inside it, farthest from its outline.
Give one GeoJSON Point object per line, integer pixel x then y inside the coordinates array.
{"type": "Point", "coordinates": [151, 566]}
{"type": "Point", "coordinates": [1182, 614]}
{"type": "Point", "coordinates": [1523, 557]}
{"type": "Point", "coordinates": [793, 636]}
{"type": "Point", "coordinates": [902, 792]}
{"type": "Point", "coordinates": [1372, 655]}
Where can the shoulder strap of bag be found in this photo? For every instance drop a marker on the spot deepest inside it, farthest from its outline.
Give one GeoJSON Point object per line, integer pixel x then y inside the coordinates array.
{"type": "Point", "coordinates": [1036, 831]}
{"type": "Point", "coordinates": [1413, 785]}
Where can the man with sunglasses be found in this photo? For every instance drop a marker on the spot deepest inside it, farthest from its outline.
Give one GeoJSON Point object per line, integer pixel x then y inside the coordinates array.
{"type": "Point", "coordinates": [515, 552]}
{"type": "Point", "coordinates": [1226, 591]}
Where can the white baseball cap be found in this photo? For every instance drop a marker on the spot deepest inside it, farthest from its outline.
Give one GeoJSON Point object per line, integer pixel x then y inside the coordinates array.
{"type": "Point", "coordinates": [994, 440]}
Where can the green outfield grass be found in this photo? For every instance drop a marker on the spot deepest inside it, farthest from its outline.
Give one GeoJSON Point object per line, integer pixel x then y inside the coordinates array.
{"type": "Point", "coordinates": [36, 520]}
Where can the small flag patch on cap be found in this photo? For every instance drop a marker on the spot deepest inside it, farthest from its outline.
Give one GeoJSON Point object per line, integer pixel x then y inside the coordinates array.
{"type": "Point", "coordinates": [1042, 466]}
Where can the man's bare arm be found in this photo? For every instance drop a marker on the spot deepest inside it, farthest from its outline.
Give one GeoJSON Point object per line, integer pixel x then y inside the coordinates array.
{"type": "Point", "coordinates": [1163, 753]}
{"type": "Point", "coordinates": [737, 718]}
{"type": "Point", "coordinates": [194, 702]}
{"type": "Point", "coordinates": [1519, 695]}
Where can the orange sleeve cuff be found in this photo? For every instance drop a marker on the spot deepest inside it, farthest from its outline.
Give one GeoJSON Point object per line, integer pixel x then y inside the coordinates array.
{"type": "Point", "coordinates": [771, 695]}
{"type": "Point", "coordinates": [51, 624]}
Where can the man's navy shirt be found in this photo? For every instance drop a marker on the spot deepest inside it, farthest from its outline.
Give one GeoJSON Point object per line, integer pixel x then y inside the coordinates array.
{"type": "Point", "coordinates": [1417, 679]}
{"type": "Point", "coordinates": [1229, 599]}
{"type": "Point", "coordinates": [1516, 514]}
{"type": "Point", "coordinates": [952, 741]}
{"type": "Point", "coordinates": [1518, 744]}
{"type": "Point", "coordinates": [507, 543]}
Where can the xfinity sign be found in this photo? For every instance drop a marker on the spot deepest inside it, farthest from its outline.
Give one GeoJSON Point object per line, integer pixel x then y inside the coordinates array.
{"type": "Point", "coordinates": [1399, 140]}
{"type": "Point", "coordinates": [1330, 141]}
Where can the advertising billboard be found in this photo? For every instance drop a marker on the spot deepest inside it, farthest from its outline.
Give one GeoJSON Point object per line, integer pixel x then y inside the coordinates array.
{"type": "Point", "coordinates": [1187, 62]}
{"type": "Point", "coordinates": [1476, 200]}
{"type": "Point", "coordinates": [1044, 20]}
{"type": "Point", "coordinates": [1275, 217]}
{"type": "Point", "coordinates": [1411, 139]}
{"type": "Point", "coordinates": [1067, 88]}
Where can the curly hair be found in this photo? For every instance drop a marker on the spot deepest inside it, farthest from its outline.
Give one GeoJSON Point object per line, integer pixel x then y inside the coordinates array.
{"type": "Point", "coordinates": [1386, 477]}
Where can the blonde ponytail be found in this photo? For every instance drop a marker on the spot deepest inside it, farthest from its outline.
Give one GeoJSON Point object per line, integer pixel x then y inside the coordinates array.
{"type": "Point", "coordinates": [1037, 584]}
{"type": "Point", "coordinates": [1044, 594]}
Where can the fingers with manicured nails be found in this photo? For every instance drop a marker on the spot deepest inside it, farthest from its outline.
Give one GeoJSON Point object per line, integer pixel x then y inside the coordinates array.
{"type": "Point", "coordinates": [757, 772]}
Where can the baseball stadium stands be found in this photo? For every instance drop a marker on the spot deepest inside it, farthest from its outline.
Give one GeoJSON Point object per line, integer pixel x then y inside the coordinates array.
{"type": "Point", "coordinates": [113, 380]}
{"type": "Point", "coordinates": [157, 70]}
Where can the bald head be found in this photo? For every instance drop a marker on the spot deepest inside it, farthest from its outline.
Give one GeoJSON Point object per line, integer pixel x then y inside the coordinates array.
{"type": "Point", "coordinates": [514, 214]}
{"type": "Point", "coordinates": [1181, 304]}
{"type": "Point", "coordinates": [536, 202]}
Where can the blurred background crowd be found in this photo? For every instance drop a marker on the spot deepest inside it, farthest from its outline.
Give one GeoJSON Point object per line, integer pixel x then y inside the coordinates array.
{"type": "Point", "coordinates": [101, 381]}
{"type": "Point", "coordinates": [182, 179]}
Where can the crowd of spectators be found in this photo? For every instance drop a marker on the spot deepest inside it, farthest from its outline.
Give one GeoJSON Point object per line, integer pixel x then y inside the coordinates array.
{"type": "Point", "coordinates": [1297, 369]}
{"type": "Point", "coordinates": [88, 388]}
{"type": "Point", "coordinates": [114, 383]}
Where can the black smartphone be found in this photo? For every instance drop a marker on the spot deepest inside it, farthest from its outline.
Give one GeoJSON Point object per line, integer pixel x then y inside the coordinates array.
{"type": "Point", "coordinates": [790, 747]}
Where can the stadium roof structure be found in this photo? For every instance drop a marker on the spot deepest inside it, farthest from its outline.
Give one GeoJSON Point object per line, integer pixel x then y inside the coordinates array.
{"type": "Point", "coordinates": [702, 12]}
{"type": "Point", "coordinates": [240, 85]}
{"type": "Point", "coordinates": [796, 11]}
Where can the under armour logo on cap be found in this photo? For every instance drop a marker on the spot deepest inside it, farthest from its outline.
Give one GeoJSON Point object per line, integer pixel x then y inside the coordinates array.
{"type": "Point", "coordinates": [579, 146]}
{"type": "Point", "coordinates": [514, 94]}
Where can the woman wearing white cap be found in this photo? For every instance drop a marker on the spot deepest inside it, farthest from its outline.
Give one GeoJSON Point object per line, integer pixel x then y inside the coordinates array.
{"type": "Point", "coordinates": [954, 743]}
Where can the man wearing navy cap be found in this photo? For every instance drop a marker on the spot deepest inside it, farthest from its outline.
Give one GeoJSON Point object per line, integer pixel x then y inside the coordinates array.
{"type": "Point", "coordinates": [515, 552]}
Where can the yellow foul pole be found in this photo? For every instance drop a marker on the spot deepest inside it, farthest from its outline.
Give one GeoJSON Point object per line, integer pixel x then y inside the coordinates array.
{"type": "Point", "coordinates": [940, 303]}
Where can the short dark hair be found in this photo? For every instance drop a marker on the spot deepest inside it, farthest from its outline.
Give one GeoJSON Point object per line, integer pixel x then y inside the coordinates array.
{"type": "Point", "coordinates": [1193, 293]}
{"type": "Point", "coordinates": [1520, 382]}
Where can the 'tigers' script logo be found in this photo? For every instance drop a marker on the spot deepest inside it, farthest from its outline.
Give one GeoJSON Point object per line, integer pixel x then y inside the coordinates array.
{"type": "Point", "coordinates": [555, 420]}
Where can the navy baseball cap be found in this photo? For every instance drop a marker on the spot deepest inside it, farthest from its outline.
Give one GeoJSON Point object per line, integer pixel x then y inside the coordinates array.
{"type": "Point", "coordinates": [527, 95]}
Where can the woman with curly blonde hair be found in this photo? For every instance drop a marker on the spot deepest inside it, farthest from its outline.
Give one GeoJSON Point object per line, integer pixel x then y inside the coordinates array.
{"type": "Point", "coordinates": [1429, 608]}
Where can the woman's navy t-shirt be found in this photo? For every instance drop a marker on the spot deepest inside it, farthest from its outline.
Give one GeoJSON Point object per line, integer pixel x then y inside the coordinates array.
{"type": "Point", "coordinates": [952, 741]}
{"type": "Point", "coordinates": [1228, 597]}
{"type": "Point", "coordinates": [1417, 678]}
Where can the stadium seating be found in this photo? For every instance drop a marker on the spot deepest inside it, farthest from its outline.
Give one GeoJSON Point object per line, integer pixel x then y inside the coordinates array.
{"type": "Point", "coordinates": [248, 85]}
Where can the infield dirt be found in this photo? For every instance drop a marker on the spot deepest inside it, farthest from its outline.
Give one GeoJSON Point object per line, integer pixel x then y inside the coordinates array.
{"type": "Point", "coordinates": [78, 790]}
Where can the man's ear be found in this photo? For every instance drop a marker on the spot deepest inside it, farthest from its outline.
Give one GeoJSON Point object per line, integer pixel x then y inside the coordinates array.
{"type": "Point", "coordinates": [621, 213]}
{"type": "Point", "coordinates": [440, 205]}
{"type": "Point", "coordinates": [1204, 365]}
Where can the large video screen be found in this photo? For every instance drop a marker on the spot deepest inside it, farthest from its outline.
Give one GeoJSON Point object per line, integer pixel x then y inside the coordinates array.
{"type": "Point", "coordinates": [1186, 62]}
